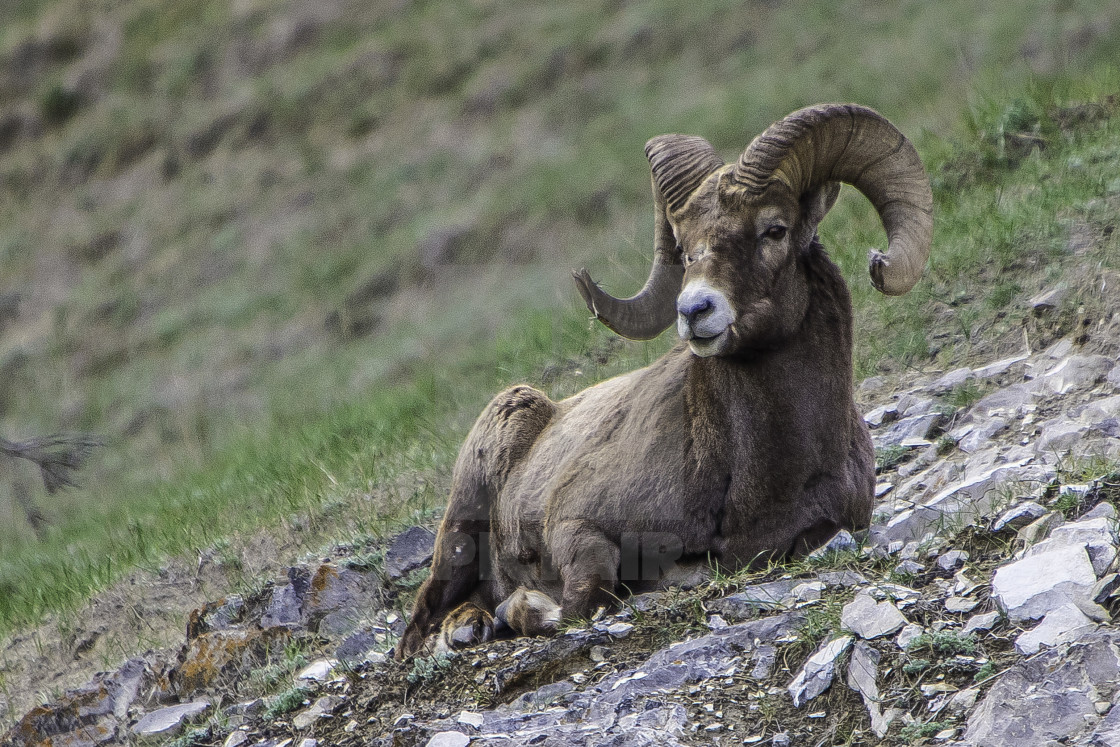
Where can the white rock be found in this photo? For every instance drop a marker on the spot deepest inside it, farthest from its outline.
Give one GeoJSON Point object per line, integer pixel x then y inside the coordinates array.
{"type": "Point", "coordinates": [236, 738]}
{"type": "Point", "coordinates": [980, 622]}
{"type": "Point", "coordinates": [959, 605]}
{"type": "Point", "coordinates": [964, 700]}
{"type": "Point", "coordinates": [1040, 528]}
{"type": "Point", "coordinates": [309, 742]}
{"type": "Point", "coordinates": [1029, 588]}
{"type": "Point", "coordinates": [470, 718]}
{"type": "Point", "coordinates": [870, 619]}
{"type": "Point", "coordinates": [950, 380]}
{"type": "Point", "coordinates": [950, 560]}
{"type": "Point", "coordinates": [995, 369]}
{"type": "Point", "coordinates": [863, 672]}
{"type": "Point", "coordinates": [449, 739]}
{"type": "Point", "coordinates": [167, 722]}
{"type": "Point", "coordinates": [1103, 510]}
{"type": "Point", "coordinates": [318, 671]}
{"type": "Point", "coordinates": [620, 629]}
{"type": "Point", "coordinates": [907, 634]}
{"type": "Point", "coordinates": [1061, 625]}
{"type": "Point", "coordinates": [1018, 516]}
{"type": "Point", "coordinates": [816, 675]}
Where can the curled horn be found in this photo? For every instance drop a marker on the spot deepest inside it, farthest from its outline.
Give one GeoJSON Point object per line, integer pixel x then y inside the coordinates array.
{"type": "Point", "coordinates": [679, 163]}
{"type": "Point", "coordinates": [853, 144]}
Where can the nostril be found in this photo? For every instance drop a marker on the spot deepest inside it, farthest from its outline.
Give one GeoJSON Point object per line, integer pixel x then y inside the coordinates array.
{"type": "Point", "coordinates": [692, 310]}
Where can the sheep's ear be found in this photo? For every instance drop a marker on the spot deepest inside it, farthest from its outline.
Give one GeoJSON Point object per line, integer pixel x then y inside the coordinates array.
{"type": "Point", "coordinates": [816, 203]}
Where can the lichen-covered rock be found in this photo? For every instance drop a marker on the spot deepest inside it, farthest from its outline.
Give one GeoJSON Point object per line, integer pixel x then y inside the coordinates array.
{"type": "Point", "coordinates": [222, 656]}
{"type": "Point", "coordinates": [88, 715]}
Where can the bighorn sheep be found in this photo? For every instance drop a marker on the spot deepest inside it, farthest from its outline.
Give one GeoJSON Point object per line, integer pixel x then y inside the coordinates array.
{"type": "Point", "coordinates": [741, 444]}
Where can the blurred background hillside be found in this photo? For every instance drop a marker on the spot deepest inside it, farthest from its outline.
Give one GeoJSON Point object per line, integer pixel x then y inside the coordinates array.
{"type": "Point", "coordinates": [279, 253]}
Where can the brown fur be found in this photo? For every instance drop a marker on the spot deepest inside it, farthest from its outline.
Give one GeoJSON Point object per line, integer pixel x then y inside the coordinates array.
{"type": "Point", "coordinates": [756, 453]}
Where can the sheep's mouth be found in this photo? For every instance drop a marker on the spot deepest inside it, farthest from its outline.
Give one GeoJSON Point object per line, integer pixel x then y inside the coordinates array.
{"type": "Point", "coordinates": [707, 345]}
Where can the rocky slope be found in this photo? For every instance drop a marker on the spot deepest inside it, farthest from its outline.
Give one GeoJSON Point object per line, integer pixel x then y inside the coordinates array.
{"type": "Point", "coordinates": [976, 611]}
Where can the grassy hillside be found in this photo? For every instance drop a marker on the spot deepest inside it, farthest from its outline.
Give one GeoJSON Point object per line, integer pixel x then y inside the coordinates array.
{"type": "Point", "coordinates": [278, 255]}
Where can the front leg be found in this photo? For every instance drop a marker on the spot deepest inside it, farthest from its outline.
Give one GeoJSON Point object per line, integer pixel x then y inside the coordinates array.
{"type": "Point", "coordinates": [588, 561]}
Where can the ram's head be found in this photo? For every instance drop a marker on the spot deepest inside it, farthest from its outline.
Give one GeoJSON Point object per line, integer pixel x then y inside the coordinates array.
{"type": "Point", "coordinates": [731, 240]}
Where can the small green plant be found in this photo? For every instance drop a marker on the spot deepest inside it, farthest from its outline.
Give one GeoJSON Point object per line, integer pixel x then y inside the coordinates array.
{"type": "Point", "coordinates": [916, 666]}
{"type": "Point", "coordinates": [984, 672]}
{"type": "Point", "coordinates": [964, 395]}
{"type": "Point", "coordinates": [919, 730]}
{"type": "Point", "coordinates": [889, 457]}
{"type": "Point", "coordinates": [287, 701]}
{"type": "Point", "coordinates": [423, 669]}
{"type": "Point", "coordinates": [944, 643]}
{"type": "Point", "coordinates": [192, 738]}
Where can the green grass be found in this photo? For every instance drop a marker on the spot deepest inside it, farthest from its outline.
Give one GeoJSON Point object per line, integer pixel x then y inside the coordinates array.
{"type": "Point", "coordinates": [251, 200]}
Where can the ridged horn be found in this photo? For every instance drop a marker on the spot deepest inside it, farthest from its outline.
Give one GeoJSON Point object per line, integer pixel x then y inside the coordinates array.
{"type": "Point", "coordinates": [678, 164]}
{"type": "Point", "coordinates": [856, 145]}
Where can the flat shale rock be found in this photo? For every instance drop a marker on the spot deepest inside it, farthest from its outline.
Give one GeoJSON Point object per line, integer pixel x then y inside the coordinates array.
{"type": "Point", "coordinates": [409, 550]}
{"type": "Point", "coordinates": [1029, 588]}
{"type": "Point", "coordinates": [870, 619]}
{"type": "Point", "coordinates": [1049, 698]}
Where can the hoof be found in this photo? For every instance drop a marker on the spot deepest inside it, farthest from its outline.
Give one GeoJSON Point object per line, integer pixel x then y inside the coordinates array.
{"type": "Point", "coordinates": [467, 625]}
{"type": "Point", "coordinates": [530, 612]}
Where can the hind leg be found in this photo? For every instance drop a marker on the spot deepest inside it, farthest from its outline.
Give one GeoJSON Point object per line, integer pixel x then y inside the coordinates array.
{"type": "Point", "coordinates": [499, 440]}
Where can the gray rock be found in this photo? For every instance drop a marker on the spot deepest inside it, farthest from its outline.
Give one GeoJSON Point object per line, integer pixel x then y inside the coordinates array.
{"type": "Point", "coordinates": [236, 738]}
{"type": "Point", "coordinates": [1062, 625]}
{"type": "Point", "coordinates": [449, 739]}
{"type": "Point", "coordinates": [883, 414]}
{"type": "Point", "coordinates": [1107, 731]}
{"type": "Point", "coordinates": [167, 722]}
{"type": "Point", "coordinates": [1011, 402]}
{"type": "Point", "coordinates": [980, 436]}
{"type": "Point", "coordinates": [863, 673]}
{"type": "Point", "coordinates": [1105, 589]}
{"type": "Point", "coordinates": [1077, 372]}
{"type": "Point", "coordinates": [909, 567]}
{"type": "Point", "coordinates": [1029, 588]}
{"type": "Point", "coordinates": [908, 634]}
{"type": "Point", "coordinates": [911, 431]}
{"type": "Point", "coordinates": [960, 605]}
{"type": "Point", "coordinates": [317, 671]}
{"type": "Point", "coordinates": [842, 579]}
{"type": "Point", "coordinates": [284, 607]}
{"type": "Point", "coordinates": [980, 622]}
{"type": "Point", "coordinates": [1040, 528]}
{"type": "Point", "coordinates": [321, 708]}
{"type": "Point", "coordinates": [964, 502]}
{"type": "Point", "coordinates": [339, 600]}
{"type": "Point", "coordinates": [1103, 510]}
{"type": "Point", "coordinates": [1048, 698]}
{"type": "Point", "coordinates": [1098, 535]}
{"type": "Point", "coordinates": [952, 559]}
{"type": "Point", "coordinates": [999, 367]}
{"type": "Point", "coordinates": [1019, 516]}
{"type": "Point", "coordinates": [815, 676]}
{"type": "Point", "coordinates": [1048, 300]}
{"type": "Point", "coordinates": [842, 541]}
{"type": "Point", "coordinates": [950, 381]}
{"type": "Point", "coordinates": [409, 550]}
{"type": "Point", "coordinates": [870, 619]}
{"type": "Point", "coordinates": [754, 599]}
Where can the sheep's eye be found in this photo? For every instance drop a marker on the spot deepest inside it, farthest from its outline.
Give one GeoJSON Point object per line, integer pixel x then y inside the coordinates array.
{"type": "Point", "coordinates": [776, 233]}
